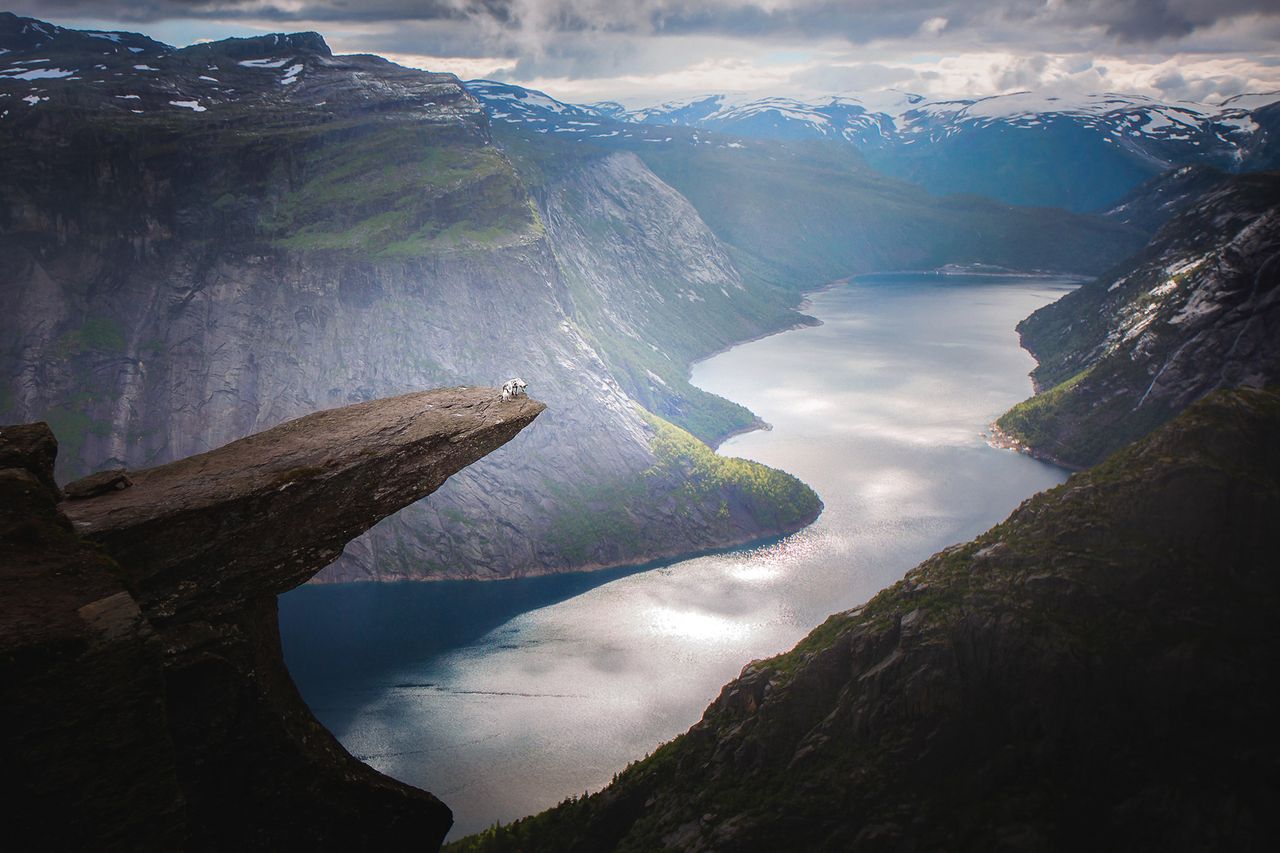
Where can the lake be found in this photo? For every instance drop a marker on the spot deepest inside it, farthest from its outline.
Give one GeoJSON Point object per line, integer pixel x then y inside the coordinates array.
{"type": "Point", "coordinates": [503, 698]}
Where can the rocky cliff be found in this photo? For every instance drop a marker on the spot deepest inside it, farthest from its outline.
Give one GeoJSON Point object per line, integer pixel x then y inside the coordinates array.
{"type": "Point", "coordinates": [147, 705]}
{"type": "Point", "coordinates": [1095, 672]}
{"type": "Point", "coordinates": [1199, 309]}
{"type": "Point", "coordinates": [201, 243]}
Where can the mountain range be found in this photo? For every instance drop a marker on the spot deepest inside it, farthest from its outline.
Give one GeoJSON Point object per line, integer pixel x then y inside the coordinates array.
{"type": "Point", "coordinates": [1080, 152]}
{"type": "Point", "coordinates": [203, 242]}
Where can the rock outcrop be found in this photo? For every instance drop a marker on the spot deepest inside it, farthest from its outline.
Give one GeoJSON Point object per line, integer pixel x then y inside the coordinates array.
{"type": "Point", "coordinates": [1198, 310]}
{"type": "Point", "coordinates": [147, 705]}
{"type": "Point", "coordinates": [1098, 671]}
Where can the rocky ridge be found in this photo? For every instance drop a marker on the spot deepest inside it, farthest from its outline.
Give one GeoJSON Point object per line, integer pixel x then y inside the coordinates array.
{"type": "Point", "coordinates": [1197, 311]}
{"type": "Point", "coordinates": [147, 702]}
{"type": "Point", "coordinates": [1096, 671]}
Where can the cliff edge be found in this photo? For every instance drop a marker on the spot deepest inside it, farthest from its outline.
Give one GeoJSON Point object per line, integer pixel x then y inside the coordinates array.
{"type": "Point", "coordinates": [147, 705]}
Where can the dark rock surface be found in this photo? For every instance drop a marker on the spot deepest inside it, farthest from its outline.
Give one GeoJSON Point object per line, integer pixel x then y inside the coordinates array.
{"type": "Point", "coordinates": [146, 702]}
{"type": "Point", "coordinates": [1153, 203]}
{"type": "Point", "coordinates": [97, 483]}
{"type": "Point", "coordinates": [1198, 310]}
{"type": "Point", "coordinates": [1097, 672]}
{"type": "Point", "coordinates": [86, 760]}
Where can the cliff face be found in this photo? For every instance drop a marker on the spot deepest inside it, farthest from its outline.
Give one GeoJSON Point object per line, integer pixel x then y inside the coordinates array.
{"type": "Point", "coordinates": [603, 486]}
{"type": "Point", "coordinates": [325, 230]}
{"type": "Point", "coordinates": [653, 286]}
{"type": "Point", "coordinates": [1199, 310]}
{"type": "Point", "coordinates": [147, 703]}
{"type": "Point", "coordinates": [1096, 671]}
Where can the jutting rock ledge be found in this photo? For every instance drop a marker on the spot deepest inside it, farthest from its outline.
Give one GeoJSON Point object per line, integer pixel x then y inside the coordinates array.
{"type": "Point", "coordinates": [146, 704]}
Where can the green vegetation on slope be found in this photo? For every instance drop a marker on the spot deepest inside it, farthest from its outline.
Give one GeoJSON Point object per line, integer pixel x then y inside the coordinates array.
{"type": "Point", "coordinates": [774, 499]}
{"type": "Point", "coordinates": [716, 500]}
{"type": "Point", "coordinates": [400, 191]}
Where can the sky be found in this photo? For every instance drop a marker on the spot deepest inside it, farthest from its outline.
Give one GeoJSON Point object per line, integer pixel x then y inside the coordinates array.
{"type": "Point", "coordinates": [642, 52]}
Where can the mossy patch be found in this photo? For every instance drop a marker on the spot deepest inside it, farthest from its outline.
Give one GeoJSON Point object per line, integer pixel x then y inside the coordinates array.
{"type": "Point", "coordinates": [96, 334]}
{"type": "Point", "coordinates": [398, 192]}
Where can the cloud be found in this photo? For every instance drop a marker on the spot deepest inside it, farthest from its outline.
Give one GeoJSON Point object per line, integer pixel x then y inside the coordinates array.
{"type": "Point", "coordinates": [933, 26]}
{"type": "Point", "coordinates": [857, 20]}
{"type": "Point", "coordinates": [856, 77]}
{"type": "Point", "coordinates": [671, 46]}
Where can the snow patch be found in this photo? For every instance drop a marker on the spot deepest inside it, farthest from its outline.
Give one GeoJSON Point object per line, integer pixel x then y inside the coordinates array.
{"type": "Point", "coordinates": [37, 74]}
{"type": "Point", "coordinates": [194, 106]}
{"type": "Point", "coordinates": [266, 63]}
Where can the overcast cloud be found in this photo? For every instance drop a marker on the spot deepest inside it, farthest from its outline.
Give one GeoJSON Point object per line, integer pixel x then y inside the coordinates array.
{"type": "Point", "coordinates": [641, 51]}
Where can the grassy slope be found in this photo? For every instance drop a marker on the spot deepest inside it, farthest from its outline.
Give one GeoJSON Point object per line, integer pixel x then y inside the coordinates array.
{"type": "Point", "coordinates": [724, 498]}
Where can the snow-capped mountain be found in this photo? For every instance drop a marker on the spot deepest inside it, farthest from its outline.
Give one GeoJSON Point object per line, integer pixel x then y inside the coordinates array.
{"type": "Point", "coordinates": [129, 77]}
{"type": "Point", "coordinates": [540, 113]}
{"type": "Point", "coordinates": [908, 118]}
{"type": "Point", "coordinates": [1081, 151]}
{"type": "Point", "coordinates": [836, 117]}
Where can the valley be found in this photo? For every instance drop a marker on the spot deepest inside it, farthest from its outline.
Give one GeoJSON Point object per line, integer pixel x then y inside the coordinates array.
{"type": "Point", "coordinates": [324, 584]}
{"type": "Point", "coordinates": [882, 409]}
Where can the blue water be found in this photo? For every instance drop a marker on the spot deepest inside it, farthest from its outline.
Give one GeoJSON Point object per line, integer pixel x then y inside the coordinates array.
{"type": "Point", "coordinates": [502, 698]}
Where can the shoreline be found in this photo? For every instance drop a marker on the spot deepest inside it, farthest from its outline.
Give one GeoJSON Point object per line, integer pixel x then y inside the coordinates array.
{"type": "Point", "coordinates": [998, 439]}
{"type": "Point", "coordinates": [979, 272]}
{"type": "Point", "coordinates": [805, 303]}
{"type": "Point", "coordinates": [995, 437]}
{"type": "Point", "coordinates": [657, 561]}
{"type": "Point", "coordinates": [758, 424]}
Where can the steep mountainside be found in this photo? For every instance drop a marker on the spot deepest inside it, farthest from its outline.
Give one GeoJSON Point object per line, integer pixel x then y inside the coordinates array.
{"type": "Point", "coordinates": [1200, 311]}
{"type": "Point", "coordinates": [798, 214]}
{"type": "Point", "coordinates": [1095, 672]}
{"type": "Point", "coordinates": [203, 242]}
{"type": "Point", "coordinates": [1078, 152]}
{"type": "Point", "coordinates": [1154, 202]}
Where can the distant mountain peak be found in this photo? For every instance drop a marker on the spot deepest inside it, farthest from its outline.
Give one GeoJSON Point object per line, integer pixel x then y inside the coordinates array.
{"type": "Point", "coordinates": [263, 46]}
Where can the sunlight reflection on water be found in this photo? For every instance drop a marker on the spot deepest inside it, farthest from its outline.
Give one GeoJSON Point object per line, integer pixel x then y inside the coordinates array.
{"type": "Point", "coordinates": [881, 409]}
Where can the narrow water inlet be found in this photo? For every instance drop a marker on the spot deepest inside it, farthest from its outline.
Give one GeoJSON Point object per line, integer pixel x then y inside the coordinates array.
{"type": "Point", "coordinates": [502, 698]}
